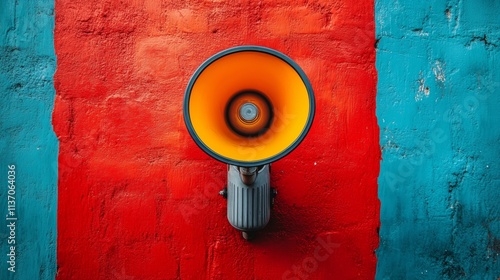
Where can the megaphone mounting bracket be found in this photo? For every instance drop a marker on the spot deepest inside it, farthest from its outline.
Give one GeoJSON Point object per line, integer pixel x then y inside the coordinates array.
{"type": "Point", "coordinates": [249, 198]}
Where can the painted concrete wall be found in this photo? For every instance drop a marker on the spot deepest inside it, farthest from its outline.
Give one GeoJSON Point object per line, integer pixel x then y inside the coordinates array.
{"type": "Point", "coordinates": [438, 104]}
{"type": "Point", "coordinates": [27, 143]}
{"type": "Point", "coordinates": [139, 200]}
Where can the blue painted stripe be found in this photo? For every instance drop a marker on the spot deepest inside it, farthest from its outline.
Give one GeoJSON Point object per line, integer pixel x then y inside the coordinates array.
{"type": "Point", "coordinates": [27, 93]}
{"type": "Point", "coordinates": [438, 107]}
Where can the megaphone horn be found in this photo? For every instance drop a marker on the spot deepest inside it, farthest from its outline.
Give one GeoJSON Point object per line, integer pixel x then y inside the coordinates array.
{"type": "Point", "coordinates": [236, 95]}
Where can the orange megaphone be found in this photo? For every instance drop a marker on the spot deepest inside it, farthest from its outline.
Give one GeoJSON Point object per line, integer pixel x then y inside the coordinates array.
{"type": "Point", "coordinates": [248, 106]}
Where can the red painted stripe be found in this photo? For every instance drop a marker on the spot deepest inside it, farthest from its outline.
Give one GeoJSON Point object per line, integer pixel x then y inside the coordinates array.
{"type": "Point", "coordinates": [138, 199]}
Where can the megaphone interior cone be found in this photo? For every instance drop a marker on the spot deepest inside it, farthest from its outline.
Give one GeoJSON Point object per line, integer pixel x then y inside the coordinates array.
{"type": "Point", "coordinates": [248, 105]}
{"type": "Point", "coordinates": [249, 114]}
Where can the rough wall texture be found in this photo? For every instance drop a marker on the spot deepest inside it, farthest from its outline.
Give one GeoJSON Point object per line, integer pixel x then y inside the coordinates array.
{"type": "Point", "coordinates": [438, 110]}
{"type": "Point", "coordinates": [138, 199]}
{"type": "Point", "coordinates": [27, 143]}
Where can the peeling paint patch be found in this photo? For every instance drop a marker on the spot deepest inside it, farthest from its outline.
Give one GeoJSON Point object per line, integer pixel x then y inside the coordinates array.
{"type": "Point", "coordinates": [438, 71]}
{"type": "Point", "coordinates": [423, 90]}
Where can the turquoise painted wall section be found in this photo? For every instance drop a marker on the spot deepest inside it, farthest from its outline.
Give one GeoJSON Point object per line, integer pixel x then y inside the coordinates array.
{"type": "Point", "coordinates": [27, 96]}
{"type": "Point", "coordinates": [438, 108]}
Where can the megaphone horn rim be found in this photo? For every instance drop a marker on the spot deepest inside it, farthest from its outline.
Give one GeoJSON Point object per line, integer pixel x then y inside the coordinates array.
{"type": "Point", "coordinates": [248, 48]}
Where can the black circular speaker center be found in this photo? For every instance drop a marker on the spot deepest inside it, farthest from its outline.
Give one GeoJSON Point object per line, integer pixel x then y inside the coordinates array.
{"type": "Point", "coordinates": [249, 113]}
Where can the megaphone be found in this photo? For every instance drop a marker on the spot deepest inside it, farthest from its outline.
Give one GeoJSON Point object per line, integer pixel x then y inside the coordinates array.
{"type": "Point", "coordinates": [248, 106]}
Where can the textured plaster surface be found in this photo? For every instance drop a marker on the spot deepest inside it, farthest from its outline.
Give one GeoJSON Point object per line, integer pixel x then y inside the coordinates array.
{"type": "Point", "coordinates": [438, 104]}
{"type": "Point", "coordinates": [28, 142]}
{"type": "Point", "coordinates": [139, 200]}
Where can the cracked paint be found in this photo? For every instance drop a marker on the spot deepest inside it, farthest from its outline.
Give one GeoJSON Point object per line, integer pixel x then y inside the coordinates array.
{"type": "Point", "coordinates": [439, 195]}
